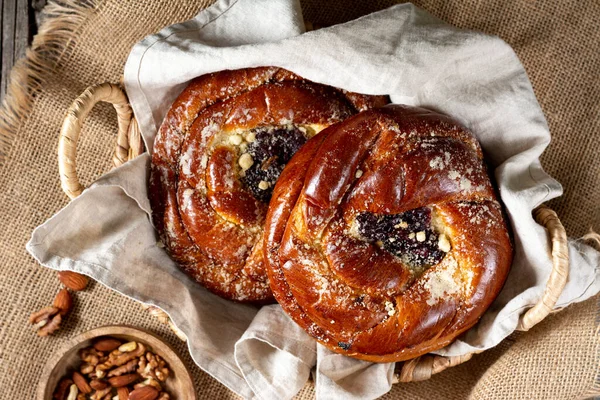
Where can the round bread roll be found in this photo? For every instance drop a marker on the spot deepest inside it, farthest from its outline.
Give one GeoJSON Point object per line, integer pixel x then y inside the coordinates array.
{"type": "Point", "coordinates": [385, 239]}
{"type": "Point", "coordinates": [217, 156]}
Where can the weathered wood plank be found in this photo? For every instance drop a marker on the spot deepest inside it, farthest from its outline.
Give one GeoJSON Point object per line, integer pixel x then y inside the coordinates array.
{"type": "Point", "coordinates": [22, 28]}
{"type": "Point", "coordinates": [15, 28]}
{"type": "Point", "coordinates": [9, 11]}
{"type": "Point", "coordinates": [1, 13]}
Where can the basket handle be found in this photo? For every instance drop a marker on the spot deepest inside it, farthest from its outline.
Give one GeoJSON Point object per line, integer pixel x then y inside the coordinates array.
{"type": "Point", "coordinates": [129, 146]}
{"type": "Point", "coordinates": [129, 142]}
{"type": "Point", "coordinates": [560, 268]}
{"type": "Point", "coordinates": [421, 368]}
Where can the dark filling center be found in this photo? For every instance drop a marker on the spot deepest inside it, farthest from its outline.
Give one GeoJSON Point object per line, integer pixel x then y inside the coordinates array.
{"type": "Point", "coordinates": [408, 235]}
{"type": "Point", "coordinates": [270, 151]}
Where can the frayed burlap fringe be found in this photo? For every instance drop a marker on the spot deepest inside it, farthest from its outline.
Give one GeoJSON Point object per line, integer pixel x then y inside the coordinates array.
{"type": "Point", "coordinates": [62, 18]}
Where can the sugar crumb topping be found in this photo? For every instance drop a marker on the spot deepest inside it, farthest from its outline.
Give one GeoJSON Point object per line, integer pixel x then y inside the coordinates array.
{"type": "Point", "coordinates": [186, 161]}
{"type": "Point", "coordinates": [437, 163]}
{"type": "Point", "coordinates": [187, 200]}
{"type": "Point", "coordinates": [441, 282]}
{"type": "Point", "coordinates": [453, 174]}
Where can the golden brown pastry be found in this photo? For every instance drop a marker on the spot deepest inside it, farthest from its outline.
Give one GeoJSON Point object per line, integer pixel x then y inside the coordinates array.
{"type": "Point", "coordinates": [216, 159]}
{"type": "Point", "coordinates": [384, 239]}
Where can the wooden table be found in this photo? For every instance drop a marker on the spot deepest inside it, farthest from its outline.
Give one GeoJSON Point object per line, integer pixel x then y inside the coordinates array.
{"type": "Point", "coordinates": [18, 22]}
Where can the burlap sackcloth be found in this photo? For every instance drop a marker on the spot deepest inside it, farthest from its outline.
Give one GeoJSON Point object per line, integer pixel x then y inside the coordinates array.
{"type": "Point", "coordinates": [81, 45]}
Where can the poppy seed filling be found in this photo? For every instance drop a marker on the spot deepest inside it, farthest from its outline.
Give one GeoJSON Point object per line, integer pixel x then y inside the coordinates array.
{"type": "Point", "coordinates": [408, 235]}
{"type": "Point", "coordinates": [271, 150]}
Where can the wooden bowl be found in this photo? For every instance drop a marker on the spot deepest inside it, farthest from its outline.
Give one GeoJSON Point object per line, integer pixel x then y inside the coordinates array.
{"type": "Point", "coordinates": [179, 384]}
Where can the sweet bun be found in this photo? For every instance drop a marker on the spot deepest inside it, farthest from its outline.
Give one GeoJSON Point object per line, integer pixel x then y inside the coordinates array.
{"type": "Point", "coordinates": [216, 158]}
{"type": "Point", "coordinates": [385, 239]}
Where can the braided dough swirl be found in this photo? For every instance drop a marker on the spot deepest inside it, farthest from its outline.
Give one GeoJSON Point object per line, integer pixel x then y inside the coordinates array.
{"type": "Point", "coordinates": [384, 239]}
{"type": "Point", "coordinates": [208, 194]}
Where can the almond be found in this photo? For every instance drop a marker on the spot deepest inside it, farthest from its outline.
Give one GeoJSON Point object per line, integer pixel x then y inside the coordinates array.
{"type": "Point", "coordinates": [73, 280]}
{"type": "Point", "coordinates": [123, 380]}
{"type": "Point", "coordinates": [123, 393]}
{"type": "Point", "coordinates": [144, 393]}
{"type": "Point", "coordinates": [63, 301]}
{"type": "Point", "coordinates": [98, 384]}
{"type": "Point", "coordinates": [107, 344]}
{"type": "Point", "coordinates": [81, 383]}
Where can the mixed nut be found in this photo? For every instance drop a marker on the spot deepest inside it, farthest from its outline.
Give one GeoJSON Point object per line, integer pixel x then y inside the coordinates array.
{"type": "Point", "coordinates": [113, 370]}
{"type": "Point", "coordinates": [48, 319]}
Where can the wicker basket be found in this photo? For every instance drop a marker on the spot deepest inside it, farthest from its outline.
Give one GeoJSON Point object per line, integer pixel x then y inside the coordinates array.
{"type": "Point", "coordinates": [130, 145]}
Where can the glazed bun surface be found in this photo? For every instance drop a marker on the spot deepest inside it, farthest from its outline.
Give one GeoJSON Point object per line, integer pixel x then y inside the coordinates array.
{"type": "Point", "coordinates": [384, 238]}
{"type": "Point", "coordinates": [217, 156]}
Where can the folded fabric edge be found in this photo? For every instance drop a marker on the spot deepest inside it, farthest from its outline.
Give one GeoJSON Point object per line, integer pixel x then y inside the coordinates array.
{"type": "Point", "coordinates": [129, 187]}
{"type": "Point", "coordinates": [260, 385]}
{"type": "Point", "coordinates": [328, 383]}
{"type": "Point", "coordinates": [131, 70]}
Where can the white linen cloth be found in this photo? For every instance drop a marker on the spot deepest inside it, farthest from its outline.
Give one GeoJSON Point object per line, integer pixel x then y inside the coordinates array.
{"type": "Point", "coordinates": [417, 59]}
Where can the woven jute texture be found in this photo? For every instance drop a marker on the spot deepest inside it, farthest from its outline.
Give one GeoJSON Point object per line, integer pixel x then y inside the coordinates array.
{"type": "Point", "coordinates": [84, 43]}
